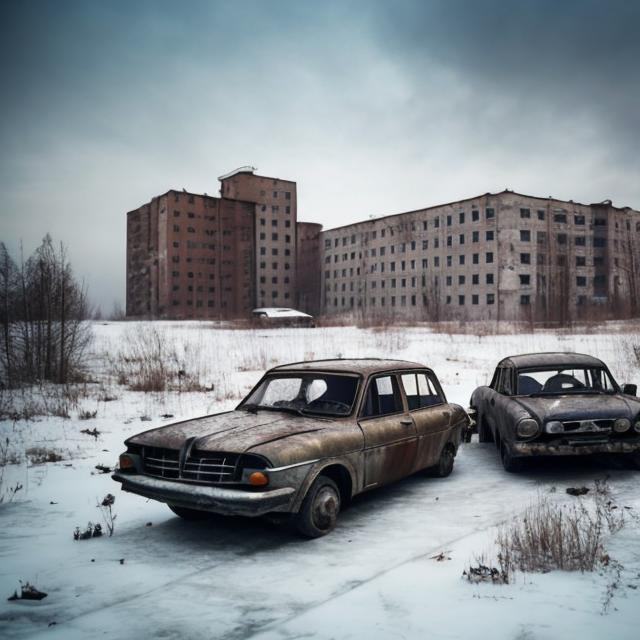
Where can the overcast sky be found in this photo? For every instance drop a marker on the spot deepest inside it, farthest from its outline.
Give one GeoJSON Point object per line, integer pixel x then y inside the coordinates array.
{"type": "Point", "coordinates": [373, 107]}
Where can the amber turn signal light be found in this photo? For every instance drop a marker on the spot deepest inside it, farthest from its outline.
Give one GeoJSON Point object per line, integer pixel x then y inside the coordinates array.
{"type": "Point", "coordinates": [126, 462]}
{"type": "Point", "coordinates": [258, 479]}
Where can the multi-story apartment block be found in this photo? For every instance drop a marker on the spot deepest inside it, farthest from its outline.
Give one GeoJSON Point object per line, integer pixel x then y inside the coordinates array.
{"type": "Point", "coordinates": [502, 256]}
{"type": "Point", "coordinates": [275, 233]}
{"type": "Point", "coordinates": [198, 256]}
{"type": "Point", "coordinates": [499, 256]}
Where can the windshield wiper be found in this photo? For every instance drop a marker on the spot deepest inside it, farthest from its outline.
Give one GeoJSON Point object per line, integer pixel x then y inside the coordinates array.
{"type": "Point", "coordinates": [253, 408]}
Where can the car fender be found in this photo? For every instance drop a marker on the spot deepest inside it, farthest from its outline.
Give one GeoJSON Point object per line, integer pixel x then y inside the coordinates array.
{"type": "Point", "coordinates": [318, 467]}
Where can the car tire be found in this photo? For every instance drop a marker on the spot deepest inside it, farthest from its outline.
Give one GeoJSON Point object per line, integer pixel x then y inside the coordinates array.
{"type": "Point", "coordinates": [189, 514]}
{"type": "Point", "coordinates": [445, 463]}
{"type": "Point", "coordinates": [320, 507]}
{"type": "Point", "coordinates": [484, 430]}
{"type": "Point", "coordinates": [510, 463]}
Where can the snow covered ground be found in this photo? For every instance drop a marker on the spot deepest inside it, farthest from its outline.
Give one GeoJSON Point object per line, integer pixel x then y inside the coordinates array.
{"type": "Point", "coordinates": [375, 576]}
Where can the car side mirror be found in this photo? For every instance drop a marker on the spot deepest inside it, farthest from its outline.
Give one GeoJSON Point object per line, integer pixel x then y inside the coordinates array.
{"type": "Point", "coordinates": [630, 389]}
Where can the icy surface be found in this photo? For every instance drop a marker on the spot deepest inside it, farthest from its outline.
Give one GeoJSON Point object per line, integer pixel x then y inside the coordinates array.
{"type": "Point", "coordinates": [374, 576]}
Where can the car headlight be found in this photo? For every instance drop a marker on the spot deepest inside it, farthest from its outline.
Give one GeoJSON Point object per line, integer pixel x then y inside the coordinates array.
{"type": "Point", "coordinates": [554, 426]}
{"type": "Point", "coordinates": [621, 425]}
{"type": "Point", "coordinates": [527, 428]}
{"type": "Point", "coordinates": [636, 426]}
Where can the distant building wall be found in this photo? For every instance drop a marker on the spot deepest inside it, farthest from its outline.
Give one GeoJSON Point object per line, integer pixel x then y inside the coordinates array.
{"type": "Point", "coordinates": [275, 233]}
{"type": "Point", "coordinates": [502, 256]}
{"type": "Point", "coordinates": [198, 260]}
{"type": "Point", "coordinates": [308, 267]}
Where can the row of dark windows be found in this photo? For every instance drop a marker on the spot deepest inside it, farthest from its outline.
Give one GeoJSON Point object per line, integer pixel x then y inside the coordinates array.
{"type": "Point", "coordinates": [274, 237]}
{"type": "Point", "coordinates": [525, 258]}
{"type": "Point", "coordinates": [275, 265]}
{"type": "Point", "coordinates": [402, 226]}
{"type": "Point", "coordinates": [274, 280]}
{"type": "Point", "coordinates": [275, 208]}
{"type": "Point", "coordinates": [274, 251]}
{"type": "Point", "coordinates": [274, 222]}
{"type": "Point", "coordinates": [287, 194]}
{"type": "Point", "coordinates": [404, 301]}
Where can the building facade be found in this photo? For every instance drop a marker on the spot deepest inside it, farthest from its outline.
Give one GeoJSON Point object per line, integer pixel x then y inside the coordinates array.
{"type": "Point", "coordinates": [198, 256]}
{"type": "Point", "coordinates": [502, 256]}
{"type": "Point", "coordinates": [498, 256]}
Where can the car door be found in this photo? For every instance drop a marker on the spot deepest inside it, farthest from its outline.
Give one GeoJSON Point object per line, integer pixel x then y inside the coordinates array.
{"type": "Point", "coordinates": [390, 441]}
{"type": "Point", "coordinates": [430, 412]}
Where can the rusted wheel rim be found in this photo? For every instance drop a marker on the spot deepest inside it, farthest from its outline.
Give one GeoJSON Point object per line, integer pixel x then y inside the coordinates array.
{"type": "Point", "coordinates": [326, 506]}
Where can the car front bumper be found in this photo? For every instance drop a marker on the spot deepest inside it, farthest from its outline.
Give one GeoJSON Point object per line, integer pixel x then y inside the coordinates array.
{"type": "Point", "coordinates": [576, 448]}
{"type": "Point", "coordinates": [221, 500]}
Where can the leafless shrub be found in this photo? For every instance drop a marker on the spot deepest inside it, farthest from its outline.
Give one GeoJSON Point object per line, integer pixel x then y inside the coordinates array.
{"type": "Point", "coordinates": [549, 536]}
{"type": "Point", "coordinates": [85, 414]}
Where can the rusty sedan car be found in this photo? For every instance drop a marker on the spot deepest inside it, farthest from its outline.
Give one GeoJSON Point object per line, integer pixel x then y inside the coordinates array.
{"type": "Point", "coordinates": [557, 404]}
{"type": "Point", "coordinates": [306, 439]}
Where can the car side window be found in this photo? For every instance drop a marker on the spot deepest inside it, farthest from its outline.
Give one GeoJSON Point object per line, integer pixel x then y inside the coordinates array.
{"type": "Point", "coordinates": [504, 384]}
{"type": "Point", "coordinates": [382, 397]}
{"type": "Point", "coordinates": [420, 391]}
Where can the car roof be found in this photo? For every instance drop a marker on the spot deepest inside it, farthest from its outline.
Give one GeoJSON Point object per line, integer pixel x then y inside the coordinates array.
{"type": "Point", "coordinates": [281, 312]}
{"type": "Point", "coordinates": [364, 366]}
{"type": "Point", "coordinates": [550, 359]}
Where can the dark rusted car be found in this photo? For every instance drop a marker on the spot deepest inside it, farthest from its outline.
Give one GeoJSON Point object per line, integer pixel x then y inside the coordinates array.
{"type": "Point", "coordinates": [557, 404]}
{"type": "Point", "coordinates": [306, 439]}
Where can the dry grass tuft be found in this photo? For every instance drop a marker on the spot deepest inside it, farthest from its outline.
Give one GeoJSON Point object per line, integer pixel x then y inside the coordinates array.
{"type": "Point", "coordinates": [550, 536]}
{"type": "Point", "coordinates": [151, 360]}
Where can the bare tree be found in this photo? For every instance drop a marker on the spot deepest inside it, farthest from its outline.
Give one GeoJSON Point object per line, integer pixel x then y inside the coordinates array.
{"type": "Point", "coordinates": [44, 311]}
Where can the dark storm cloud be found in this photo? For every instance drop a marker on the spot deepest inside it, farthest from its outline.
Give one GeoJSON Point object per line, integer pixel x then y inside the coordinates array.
{"type": "Point", "coordinates": [573, 56]}
{"type": "Point", "coordinates": [372, 107]}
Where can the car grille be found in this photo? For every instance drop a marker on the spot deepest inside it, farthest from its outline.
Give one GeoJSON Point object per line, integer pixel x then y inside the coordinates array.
{"type": "Point", "coordinates": [203, 466]}
{"type": "Point", "coordinates": [588, 426]}
{"type": "Point", "coordinates": [199, 466]}
{"type": "Point", "coordinates": [163, 463]}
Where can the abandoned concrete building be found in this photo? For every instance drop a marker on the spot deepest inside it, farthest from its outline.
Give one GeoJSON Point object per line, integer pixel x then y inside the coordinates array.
{"type": "Point", "coordinates": [199, 256]}
{"type": "Point", "coordinates": [499, 256]}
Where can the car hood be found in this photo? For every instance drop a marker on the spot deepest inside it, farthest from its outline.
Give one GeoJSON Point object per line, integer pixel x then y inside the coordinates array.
{"type": "Point", "coordinates": [578, 407]}
{"type": "Point", "coordinates": [281, 438]}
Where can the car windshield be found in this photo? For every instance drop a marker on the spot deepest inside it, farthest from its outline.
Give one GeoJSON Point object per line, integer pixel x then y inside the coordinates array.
{"type": "Point", "coordinates": [565, 380]}
{"type": "Point", "coordinates": [306, 393]}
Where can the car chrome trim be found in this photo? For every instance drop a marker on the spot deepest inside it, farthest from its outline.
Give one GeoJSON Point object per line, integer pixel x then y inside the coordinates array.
{"type": "Point", "coordinates": [291, 466]}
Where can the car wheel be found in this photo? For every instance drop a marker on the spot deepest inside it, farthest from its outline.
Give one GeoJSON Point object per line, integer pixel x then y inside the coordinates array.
{"type": "Point", "coordinates": [445, 463]}
{"type": "Point", "coordinates": [484, 431]}
{"type": "Point", "coordinates": [320, 508]}
{"type": "Point", "coordinates": [189, 514]}
{"type": "Point", "coordinates": [510, 463]}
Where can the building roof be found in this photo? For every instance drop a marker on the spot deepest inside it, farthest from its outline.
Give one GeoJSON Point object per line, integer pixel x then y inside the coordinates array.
{"type": "Point", "coordinates": [551, 359]}
{"type": "Point", "coordinates": [365, 366]}
{"type": "Point", "coordinates": [606, 203]}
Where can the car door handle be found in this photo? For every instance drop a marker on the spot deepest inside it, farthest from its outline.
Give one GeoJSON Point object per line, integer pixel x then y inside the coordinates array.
{"type": "Point", "coordinates": [406, 423]}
